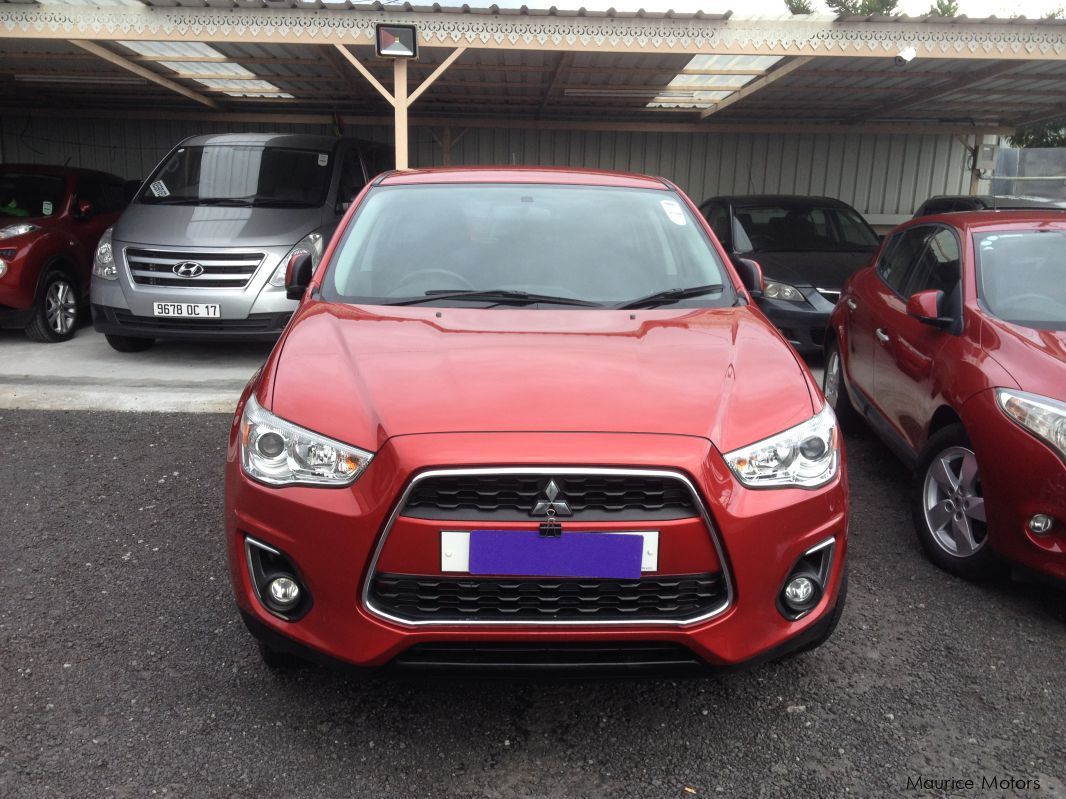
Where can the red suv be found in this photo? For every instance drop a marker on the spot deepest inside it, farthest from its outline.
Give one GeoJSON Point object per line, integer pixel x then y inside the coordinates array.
{"type": "Point", "coordinates": [953, 347]}
{"type": "Point", "coordinates": [532, 418]}
{"type": "Point", "coordinates": [51, 218]}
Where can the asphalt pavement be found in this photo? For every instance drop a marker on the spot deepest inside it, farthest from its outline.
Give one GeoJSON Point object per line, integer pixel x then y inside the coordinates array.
{"type": "Point", "coordinates": [125, 671]}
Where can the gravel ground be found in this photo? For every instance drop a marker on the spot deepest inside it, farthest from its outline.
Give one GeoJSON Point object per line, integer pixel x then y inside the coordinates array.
{"type": "Point", "coordinates": [125, 670]}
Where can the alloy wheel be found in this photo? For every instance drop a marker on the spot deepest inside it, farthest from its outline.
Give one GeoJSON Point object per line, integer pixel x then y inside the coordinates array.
{"type": "Point", "coordinates": [954, 507]}
{"type": "Point", "coordinates": [61, 307]}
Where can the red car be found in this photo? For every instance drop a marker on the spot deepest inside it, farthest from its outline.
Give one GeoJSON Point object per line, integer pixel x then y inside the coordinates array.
{"type": "Point", "coordinates": [952, 345]}
{"type": "Point", "coordinates": [51, 218]}
{"type": "Point", "coordinates": [532, 418]}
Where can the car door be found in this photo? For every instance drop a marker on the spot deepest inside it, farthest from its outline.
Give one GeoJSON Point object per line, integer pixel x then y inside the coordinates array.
{"type": "Point", "coordinates": [870, 290]}
{"type": "Point", "coordinates": [907, 348]}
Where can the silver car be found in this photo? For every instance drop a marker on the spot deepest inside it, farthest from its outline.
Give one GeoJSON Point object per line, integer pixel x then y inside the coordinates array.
{"type": "Point", "coordinates": [202, 249]}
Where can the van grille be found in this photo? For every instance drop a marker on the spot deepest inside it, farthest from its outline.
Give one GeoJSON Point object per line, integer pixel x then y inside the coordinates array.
{"type": "Point", "coordinates": [219, 270]}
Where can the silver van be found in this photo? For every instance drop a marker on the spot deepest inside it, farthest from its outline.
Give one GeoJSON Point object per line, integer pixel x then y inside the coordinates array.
{"type": "Point", "coordinates": [202, 249]}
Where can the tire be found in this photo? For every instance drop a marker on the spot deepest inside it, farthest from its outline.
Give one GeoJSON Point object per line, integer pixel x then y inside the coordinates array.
{"type": "Point", "coordinates": [277, 660]}
{"type": "Point", "coordinates": [836, 393]}
{"type": "Point", "coordinates": [58, 311]}
{"type": "Point", "coordinates": [129, 343]}
{"type": "Point", "coordinates": [948, 508]}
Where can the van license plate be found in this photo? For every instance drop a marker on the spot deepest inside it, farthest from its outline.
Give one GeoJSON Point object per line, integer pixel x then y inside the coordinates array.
{"type": "Point", "coordinates": [187, 310]}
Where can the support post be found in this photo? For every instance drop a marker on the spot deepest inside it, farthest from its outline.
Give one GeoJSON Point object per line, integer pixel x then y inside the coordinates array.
{"type": "Point", "coordinates": [399, 92]}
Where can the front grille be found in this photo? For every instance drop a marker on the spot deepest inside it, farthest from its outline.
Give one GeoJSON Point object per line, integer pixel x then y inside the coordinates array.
{"type": "Point", "coordinates": [220, 270]}
{"type": "Point", "coordinates": [551, 656]}
{"type": "Point", "coordinates": [590, 497]}
{"type": "Point", "coordinates": [494, 599]}
{"type": "Point", "coordinates": [254, 323]}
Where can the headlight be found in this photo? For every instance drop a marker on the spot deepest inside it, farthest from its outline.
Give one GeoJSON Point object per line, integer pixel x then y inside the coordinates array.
{"type": "Point", "coordinates": [1044, 417]}
{"type": "Point", "coordinates": [21, 229]}
{"type": "Point", "coordinates": [782, 291]}
{"type": "Point", "coordinates": [807, 455]}
{"type": "Point", "coordinates": [280, 453]}
{"type": "Point", "coordinates": [104, 259]}
{"type": "Point", "coordinates": [311, 243]}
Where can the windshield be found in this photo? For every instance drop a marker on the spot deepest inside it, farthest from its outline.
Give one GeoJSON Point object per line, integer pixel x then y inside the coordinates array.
{"type": "Point", "coordinates": [1021, 276]}
{"type": "Point", "coordinates": [602, 245]}
{"type": "Point", "coordinates": [794, 228]}
{"type": "Point", "coordinates": [240, 175]}
{"type": "Point", "coordinates": [31, 195]}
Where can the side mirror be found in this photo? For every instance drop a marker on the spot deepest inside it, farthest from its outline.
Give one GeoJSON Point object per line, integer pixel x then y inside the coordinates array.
{"type": "Point", "coordinates": [298, 275]}
{"type": "Point", "coordinates": [750, 275]}
{"type": "Point", "coordinates": [85, 209]}
{"type": "Point", "coordinates": [925, 307]}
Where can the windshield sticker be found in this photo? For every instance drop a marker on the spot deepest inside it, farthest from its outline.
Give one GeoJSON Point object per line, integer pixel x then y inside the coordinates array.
{"type": "Point", "coordinates": [323, 159]}
{"type": "Point", "coordinates": [46, 208]}
{"type": "Point", "coordinates": [159, 189]}
{"type": "Point", "coordinates": [673, 211]}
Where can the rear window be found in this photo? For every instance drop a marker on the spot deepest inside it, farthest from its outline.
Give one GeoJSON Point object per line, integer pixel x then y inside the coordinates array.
{"type": "Point", "coordinates": [599, 244]}
{"type": "Point", "coordinates": [1021, 276]}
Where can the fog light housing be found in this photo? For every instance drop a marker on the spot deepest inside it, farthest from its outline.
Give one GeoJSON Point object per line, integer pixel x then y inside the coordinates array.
{"type": "Point", "coordinates": [3, 267]}
{"type": "Point", "coordinates": [276, 581]}
{"type": "Point", "coordinates": [1041, 524]}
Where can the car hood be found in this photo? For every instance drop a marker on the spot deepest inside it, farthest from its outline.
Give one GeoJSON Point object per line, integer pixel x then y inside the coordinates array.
{"type": "Point", "coordinates": [826, 270]}
{"type": "Point", "coordinates": [214, 226]}
{"type": "Point", "coordinates": [1036, 359]}
{"type": "Point", "coordinates": [363, 374]}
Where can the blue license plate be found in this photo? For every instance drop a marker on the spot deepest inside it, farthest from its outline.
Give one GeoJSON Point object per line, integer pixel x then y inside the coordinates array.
{"type": "Point", "coordinates": [526, 553]}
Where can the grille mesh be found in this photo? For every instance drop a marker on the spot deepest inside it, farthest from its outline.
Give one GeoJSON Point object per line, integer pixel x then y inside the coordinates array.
{"type": "Point", "coordinates": [220, 270]}
{"type": "Point", "coordinates": [513, 496]}
{"type": "Point", "coordinates": [430, 598]}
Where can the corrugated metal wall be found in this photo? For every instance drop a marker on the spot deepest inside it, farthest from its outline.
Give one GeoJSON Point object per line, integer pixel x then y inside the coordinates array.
{"type": "Point", "coordinates": [880, 174]}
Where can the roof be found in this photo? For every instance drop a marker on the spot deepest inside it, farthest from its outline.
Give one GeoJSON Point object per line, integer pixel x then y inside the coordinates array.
{"type": "Point", "coordinates": [298, 140]}
{"type": "Point", "coordinates": [970, 220]}
{"type": "Point", "coordinates": [575, 177]}
{"type": "Point", "coordinates": [749, 200]}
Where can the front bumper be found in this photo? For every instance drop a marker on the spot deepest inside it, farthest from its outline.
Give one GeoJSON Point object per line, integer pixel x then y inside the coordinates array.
{"type": "Point", "coordinates": [264, 327]}
{"type": "Point", "coordinates": [333, 537]}
{"type": "Point", "coordinates": [1020, 477]}
{"type": "Point", "coordinates": [802, 323]}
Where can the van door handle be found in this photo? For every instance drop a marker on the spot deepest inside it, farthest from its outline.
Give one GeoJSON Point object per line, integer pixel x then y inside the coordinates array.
{"type": "Point", "coordinates": [851, 304]}
{"type": "Point", "coordinates": [882, 336]}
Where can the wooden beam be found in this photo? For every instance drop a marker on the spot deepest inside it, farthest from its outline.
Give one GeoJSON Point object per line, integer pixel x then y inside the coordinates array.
{"type": "Point", "coordinates": [340, 68]}
{"type": "Point", "coordinates": [355, 62]}
{"type": "Point", "coordinates": [114, 58]}
{"type": "Point", "coordinates": [751, 87]}
{"type": "Point", "coordinates": [960, 81]}
{"type": "Point", "coordinates": [555, 88]}
{"type": "Point", "coordinates": [447, 62]}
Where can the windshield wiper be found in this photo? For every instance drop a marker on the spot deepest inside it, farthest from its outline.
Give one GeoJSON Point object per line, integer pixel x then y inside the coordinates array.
{"type": "Point", "coordinates": [277, 202]}
{"type": "Point", "coordinates": [671, 295]}
{"type": "Point", "coordinates": [504, 296]}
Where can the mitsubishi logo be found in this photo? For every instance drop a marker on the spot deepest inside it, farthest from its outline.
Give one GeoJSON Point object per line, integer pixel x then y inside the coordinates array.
{"type": "Point", "coordinates": [188, 269]}
{"type": "Point", "coordinates": [553, 505]}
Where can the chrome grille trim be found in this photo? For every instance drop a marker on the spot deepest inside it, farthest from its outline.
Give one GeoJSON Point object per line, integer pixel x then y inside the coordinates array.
{"type": "Point", "coordinates": [222, 270]}
{"type": "Point", "coordinates": [704, 515]}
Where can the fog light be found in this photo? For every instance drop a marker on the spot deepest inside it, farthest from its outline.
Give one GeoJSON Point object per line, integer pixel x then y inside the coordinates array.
{"type": "Point", "coordinates": [1041, 524]}
{"type": "Point", "coordinates": [3, 267]}
{"type": "Point", "coordinates": [799, 591]}
{"type": "Point", "coordinates": [284, 592]}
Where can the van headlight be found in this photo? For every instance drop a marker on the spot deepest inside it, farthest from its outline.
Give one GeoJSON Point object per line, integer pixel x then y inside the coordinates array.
{"type": "Point", "coordinates": [104, 258]}
{"type": "Point", "coordinates": [312, 243]}
{"type": "Point", "coordinates": [280, 453]}
{"type": "Point", "coordinates": [1044, 417]}
{"type": "Point", "coordinates": [807, 455]}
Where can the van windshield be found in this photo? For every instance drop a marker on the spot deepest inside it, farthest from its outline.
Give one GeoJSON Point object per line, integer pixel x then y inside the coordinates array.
{"type": "Point", "coordinates": [240, 175]}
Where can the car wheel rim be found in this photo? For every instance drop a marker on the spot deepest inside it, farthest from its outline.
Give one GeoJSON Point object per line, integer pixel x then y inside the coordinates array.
{"type": "Point", "coordinates": [832, 379]}
{"type": "Point", "coordinates": [60, 307]}
{"type": "Point", "coordinates": [953, 505]}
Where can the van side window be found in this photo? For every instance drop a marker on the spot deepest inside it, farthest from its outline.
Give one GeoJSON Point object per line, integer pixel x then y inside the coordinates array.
{"type": "Point", "coordinates": [352, 179]}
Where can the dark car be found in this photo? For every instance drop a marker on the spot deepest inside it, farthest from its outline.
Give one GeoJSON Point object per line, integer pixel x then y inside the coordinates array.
{"type": "Point", "coordinates": [806, 248]}
{"type": "Point", "coordinates": [950, 203]}
{"type": "Point", "coordinates": [51, 218]}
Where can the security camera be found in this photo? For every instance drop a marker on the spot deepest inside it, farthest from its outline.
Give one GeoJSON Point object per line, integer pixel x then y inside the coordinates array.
{"type": "Point", "coordinates": [905, 56]}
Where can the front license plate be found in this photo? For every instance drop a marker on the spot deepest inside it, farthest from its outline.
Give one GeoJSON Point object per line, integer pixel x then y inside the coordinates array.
{"type": "Point", "coordinates": [526, 553]}
{"type": "Point", "coordinates": [187, 310]}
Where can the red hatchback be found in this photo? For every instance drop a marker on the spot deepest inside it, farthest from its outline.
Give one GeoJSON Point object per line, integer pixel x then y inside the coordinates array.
{"type": "Point", "coordinates": [952, 345]}
{"type": "Point", "coordinates": [532, 418]}
{"type": "Point", "coordinates": [51, 218]}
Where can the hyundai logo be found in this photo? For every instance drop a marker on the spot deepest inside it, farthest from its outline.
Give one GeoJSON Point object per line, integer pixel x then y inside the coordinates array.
{"type": "Point", "coordinates": [188, 269]}
{"type": "Point", "coordinates": [554, 503]}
